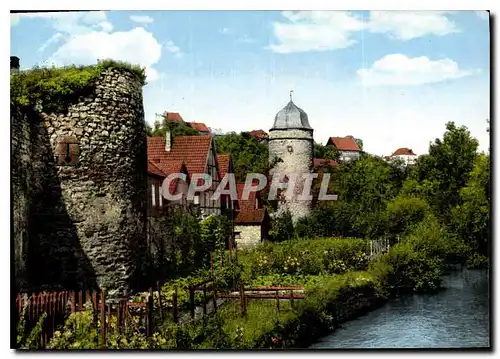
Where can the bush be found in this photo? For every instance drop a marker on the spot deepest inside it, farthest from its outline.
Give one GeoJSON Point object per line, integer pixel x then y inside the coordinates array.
{"type": "Point", "coordinates": [305, 257]}
{"type": "Point", "coordinates": [405, 269]}
{"type": "Point", "coordinates": [282, 228]}
{"type": "Point", "coordinates": [402, 213]}
{"type": "Point", "coordinates": [54, 88]}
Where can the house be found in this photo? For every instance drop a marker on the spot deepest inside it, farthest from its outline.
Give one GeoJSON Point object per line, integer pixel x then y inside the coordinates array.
{"type": "Point", "coordinates": [260, 135]}
{"type": "Point", "coordinates": [347, 147]}
{"type": "Point", "coordinates": [200, 127]}
{"type": "Point", "coordinates": [406, 155]}
{"type": "Point", "coordinates": [320, 163]}
{"type": "Point", "coordinates": [197, 154]}
{"type": "Point", "coordinates": [252, 222]}
{"type": "Point", "coordinates": [228, 206]}
{"type": "Point", "coordinates": [173, 117]}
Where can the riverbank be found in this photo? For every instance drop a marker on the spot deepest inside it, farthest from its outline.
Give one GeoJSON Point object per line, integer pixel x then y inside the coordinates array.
{"type": "Point", "coordinates": [455, 317]}
{"type": "Point", "coordinates": [329, 303]}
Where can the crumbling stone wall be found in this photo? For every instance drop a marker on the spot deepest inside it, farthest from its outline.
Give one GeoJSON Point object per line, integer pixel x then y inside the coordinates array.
{"type": "Point", "coordinates": [87, 204]}
{"type": "Point", "coordinates": [294, 148]}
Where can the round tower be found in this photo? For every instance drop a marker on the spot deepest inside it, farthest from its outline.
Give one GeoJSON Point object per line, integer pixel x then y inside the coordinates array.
{"type": "Point", "coordinates": [291, 151]}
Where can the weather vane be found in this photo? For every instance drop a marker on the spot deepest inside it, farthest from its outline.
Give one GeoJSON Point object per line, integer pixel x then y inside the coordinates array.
{"type": "Point", "coordinates": [291, 91]}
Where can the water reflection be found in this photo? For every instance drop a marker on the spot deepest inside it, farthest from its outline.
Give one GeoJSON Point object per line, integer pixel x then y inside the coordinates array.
{"type": "Point", "coordinates": [457, 317]}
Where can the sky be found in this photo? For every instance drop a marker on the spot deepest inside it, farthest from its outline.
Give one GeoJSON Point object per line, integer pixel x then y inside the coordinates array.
{"type": "Point", "coordinates": [392, 79]}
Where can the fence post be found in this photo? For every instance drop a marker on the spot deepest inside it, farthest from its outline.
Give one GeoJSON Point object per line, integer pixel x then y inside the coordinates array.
{"type": "Point", "coordinates": [150, 313]}
{"type": "Point", "coordinates": [191, 300]}
{"type": "Point", "coordinates": [214, 288]}
{"type": "Point", "coordinates": [204, 299]}
{"type": "Point", "coordinates": [174, 303]}
{"type": "Point", "coordinates": [291, 298]}
{"type": "Point", "coordinates": [73, 301]}
{"type": "Point", "coordinates": [158, 283]}
{"type": "Point", "coordinates": [103, 320]}
{"type": "Point", "coordinates": [242, 300]}
{"type": "Point", "coordinates": [278, 302]}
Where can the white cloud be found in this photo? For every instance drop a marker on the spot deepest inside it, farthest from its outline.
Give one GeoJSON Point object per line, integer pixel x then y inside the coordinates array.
{"type": "Point", "coordinates": [315, 31]}
{"type": "Point", "coordinates": [483, 14]}
{"type": "Point", "coordinates": [141, 19]}
{"type": "Point", "coordinates": [331, 30]}
{"type": "Point", "coordinates": [407, 25]}
{"type": "Point", "coordinates": [173, 48]}
{"type": "Point", "coordinates": [70, 22]}
{"type": "Point", "coordinates": [224, 30]}
{"type": "Point", "coordinates": [136, 46]}
{"type": "Point", "coordinates": [400, 70]}
{"type": "Point", "coordinates": [51, 41]}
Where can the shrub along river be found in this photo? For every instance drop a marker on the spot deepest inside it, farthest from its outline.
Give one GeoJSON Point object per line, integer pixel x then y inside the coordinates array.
{"type": "Point", "coordinates": [456, 317]}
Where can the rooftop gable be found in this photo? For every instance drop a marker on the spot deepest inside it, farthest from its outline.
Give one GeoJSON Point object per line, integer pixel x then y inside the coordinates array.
{"type": "Point", "coordinates": [343, 143]}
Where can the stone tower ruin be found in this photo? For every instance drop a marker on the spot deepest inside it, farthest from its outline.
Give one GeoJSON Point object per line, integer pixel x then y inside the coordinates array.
{"type": "Point", "coordinates": [291, 143]}
{"type": "Point", "coordinates": [79, 190]}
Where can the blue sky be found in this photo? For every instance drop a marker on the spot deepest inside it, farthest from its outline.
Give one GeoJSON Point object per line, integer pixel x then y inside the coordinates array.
{"type": "Point", "coordinates": [392, 79]}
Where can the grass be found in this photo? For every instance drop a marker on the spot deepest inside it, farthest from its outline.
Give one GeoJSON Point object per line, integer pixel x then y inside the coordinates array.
{"type": "Point", "coordinates": [53, 88]}
{"type": "Point", "coordinates": [309, 316]}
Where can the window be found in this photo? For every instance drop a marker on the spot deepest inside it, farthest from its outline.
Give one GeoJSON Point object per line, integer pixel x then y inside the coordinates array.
{"type": "Point", "coordinates": [67, 151]}
{"type": "Point", "coordinates": [237, 235]}
{"type": "Point", "coordinates": [196, 199]}
{"type": "Point", "coordinates": [160, 195]}
{"type": "Point", "coordinates": [153, 195]}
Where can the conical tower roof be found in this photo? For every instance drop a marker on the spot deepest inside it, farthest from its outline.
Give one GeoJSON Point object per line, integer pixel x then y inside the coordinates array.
{"type": "Point", "coordinates": [291, 117]}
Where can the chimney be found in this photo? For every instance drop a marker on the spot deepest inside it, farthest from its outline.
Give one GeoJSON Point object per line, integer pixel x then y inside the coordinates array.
{"type": "Point", "coordinates": [14, 65]}
{"type": "Point", "coordinates": [168, 141]}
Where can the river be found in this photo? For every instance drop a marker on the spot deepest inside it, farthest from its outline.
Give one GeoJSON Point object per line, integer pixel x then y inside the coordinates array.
{"type": "Point", "coordinates": [457, 317]}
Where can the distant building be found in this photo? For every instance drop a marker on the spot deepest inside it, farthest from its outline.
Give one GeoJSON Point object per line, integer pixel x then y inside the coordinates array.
{"type": "Point", "coordinates": [197, 153]}
{"type": "Point", "coordinates": [200, 127]}
{"type": "Point", "coordinates": [347, 147]}
{"type": "Point", "coordinates": [228, 206]}
{"type": "Point", "coordinates": [173, 117]}
{"type": "Point", "coordinates": [252, 222]}
{"type": "Point", "coordinates": [320, 163]}
{"type": "Point", "coordinates": [260, 135]}
{"type": "Point", "coordinates": [406, 155]}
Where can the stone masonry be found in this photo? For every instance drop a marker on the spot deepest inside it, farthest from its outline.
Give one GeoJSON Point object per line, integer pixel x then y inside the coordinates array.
{"type": "Point", "coordinates": [79, 191]}
{"type": "Point", "coordinates": [294, 148]}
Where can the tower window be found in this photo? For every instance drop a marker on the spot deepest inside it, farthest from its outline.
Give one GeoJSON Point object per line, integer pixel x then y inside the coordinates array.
{"type": "Point", "coordinates": [290, 149]}
{"type": "Point", "coordinates": [67, 151]}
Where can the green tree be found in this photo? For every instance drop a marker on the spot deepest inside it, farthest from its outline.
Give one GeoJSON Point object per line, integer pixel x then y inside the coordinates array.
{"type": "Point", "coordinates": [439, 176]}
{"type": "Point", "coordinates": [248, 155]}
{"type": "Point", "coordinates": [365, 186]}
{"type": "Point", "coordinates": [176, 128]}
{"type": "Point", "coordinates": [325, 152]}
{"type": "Point", "coordinates": [471, 218]}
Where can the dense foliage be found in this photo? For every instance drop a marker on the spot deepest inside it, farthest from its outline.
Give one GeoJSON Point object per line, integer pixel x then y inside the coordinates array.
{"type": "Point", "coordinates": [52, 89]}
{"type": "Point", "coordinates": [159, 129]}
{"type": "Point", "coordinates": [248, 154]}
{"type": "Point", "coordinates": [305, 257]}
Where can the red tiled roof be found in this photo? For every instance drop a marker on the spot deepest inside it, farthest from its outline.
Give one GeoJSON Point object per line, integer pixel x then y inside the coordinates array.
{"type": "Point", "coordinates": [404, 151]}
{"type": "Point", "coordinates": [248, 204]}
{"type": "Point", "coordinates": [173, 117]}
{"type": "Point", "coordinates": [153, 169]}
{"type": "Point", "coordinates": [344, 143]}
{"type": "Point", "coordinates": [260, 134]}
{"type": "Point", "coordinates": [224, 161]}
{"type": "Point", "coordinates": [190, 150]}
{"type": "Point", "coordinates": [249, 216]}
{"type": "Point", "coordinates": [321, 162]}
{"type": "Point", "coordinates": [198, 126]}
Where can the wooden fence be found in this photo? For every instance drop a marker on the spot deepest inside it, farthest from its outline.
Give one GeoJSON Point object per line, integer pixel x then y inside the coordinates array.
{"type": "Point", "coordinates": [59, 305]}
{"type": "Point", "coordinates": [270, 292]}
